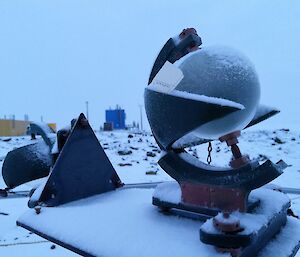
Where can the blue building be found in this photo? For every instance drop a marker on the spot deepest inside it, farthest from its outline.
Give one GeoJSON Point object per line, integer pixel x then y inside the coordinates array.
{"type": "Point", "coordinates": [116, 117]}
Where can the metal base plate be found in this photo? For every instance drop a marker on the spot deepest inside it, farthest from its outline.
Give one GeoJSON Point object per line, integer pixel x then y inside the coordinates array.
{"type": "Point", "coordinates": [192, 211]}
{"type": "Point", "coordinates": [95, 226]}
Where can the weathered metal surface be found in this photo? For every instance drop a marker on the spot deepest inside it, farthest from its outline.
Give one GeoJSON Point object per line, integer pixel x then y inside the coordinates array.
{"type": "Point", "coordinates": [228, 199]}
{"type": "Point", "coordinates": [82, 169]}
{"type": "Point", "coordinates": [26, 163]}
{"type": "Point", "coordinates": [173, 50]}
{"type": "Point", "coordinates": [29, 162]}
{"type": "Point", "coordinates": [183, 167]}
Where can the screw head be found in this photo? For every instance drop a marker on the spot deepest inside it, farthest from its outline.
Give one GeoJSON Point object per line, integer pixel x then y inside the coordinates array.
{"type": "Point", "coordinates": [37, 209]}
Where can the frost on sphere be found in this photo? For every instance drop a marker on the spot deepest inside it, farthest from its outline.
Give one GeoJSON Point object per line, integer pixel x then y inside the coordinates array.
{"type": "Point", "coordinates": [224, 73]}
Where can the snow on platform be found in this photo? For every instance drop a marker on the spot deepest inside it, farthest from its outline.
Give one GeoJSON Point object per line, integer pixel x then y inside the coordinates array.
{"type": "Point", "coordinates": [124, 223]}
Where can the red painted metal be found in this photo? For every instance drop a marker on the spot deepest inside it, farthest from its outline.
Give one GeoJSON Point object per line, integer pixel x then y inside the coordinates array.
{"type": "Point", "coordinates": [225, 199]}
{"type": "Point", "coordinates": [238, 159]}
{"type": "Point", "coordinates": [186, 32]}
{"type": "Point", "coordinates": [226, 224]}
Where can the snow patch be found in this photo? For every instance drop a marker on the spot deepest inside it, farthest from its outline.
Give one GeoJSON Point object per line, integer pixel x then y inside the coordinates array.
{"type": "Point", "coordinates": [202, 98]}
{"type": "Point", "coordinates": [168, 192]}
{"type": "Point", "coordinates": [228, 57]}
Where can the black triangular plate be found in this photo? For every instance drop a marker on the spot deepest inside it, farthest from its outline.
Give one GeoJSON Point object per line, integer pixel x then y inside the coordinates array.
{"type": "Point", "coordinates": [82, 168]}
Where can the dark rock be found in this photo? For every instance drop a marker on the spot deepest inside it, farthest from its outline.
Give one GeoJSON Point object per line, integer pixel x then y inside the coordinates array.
{"type": "Point", "coordinates": [6, 139]}
{"type": "Point", "coordinates": [151, 172]}
{"type": "Point", "coordinates": [285, 130]}
{"type": "Point", "coordinates": [130, 136]}
{"type": "Point", "coordinates": [124, 164]}
{"type": "Point", "coordinates": [151, 154]}
{"type": "Point", "coordinates": [278, 140]}
{"type": "Point", "coordinates": [124, 152]}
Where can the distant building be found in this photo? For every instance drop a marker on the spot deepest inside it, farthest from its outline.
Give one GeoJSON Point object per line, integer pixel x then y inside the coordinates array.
{"type": "Point", "coordinates": [52, 125]}
{"type": "Point", "coordinates": [116, 117]}
{"type": "Point", "coordinates": [12, 127]}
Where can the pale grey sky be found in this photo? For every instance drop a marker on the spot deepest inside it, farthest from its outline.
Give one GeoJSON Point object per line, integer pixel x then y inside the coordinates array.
{"type": "Point", "coordinates": [56, 54]}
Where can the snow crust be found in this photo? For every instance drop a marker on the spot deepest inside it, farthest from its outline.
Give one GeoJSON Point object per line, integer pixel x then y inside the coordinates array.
{"type": "Point", "coordinates": [203, 98]}
{"type": "Point", "coordinates": [38, 191]}
{"type": "Point", "coordinates": [229, 57]}
{"type": "Point", "coordinates": [169, 192]}
{"type": "Point", "coordinates": [44, 127]}
{"type": "Point", "coordinates": [140, 229]}
{"type": "Point", "coordinates": [284, 241]}
{"type": "Point", "coordinates": [122, 223]}
{"type": "Point", "coordinates": [41, 151]}
{"type": "Point", "coordinates": [263, 110]}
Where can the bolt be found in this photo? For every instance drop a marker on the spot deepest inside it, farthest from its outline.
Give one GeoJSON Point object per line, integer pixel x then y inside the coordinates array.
{"type": "Point", "coordinates": [37, 209]}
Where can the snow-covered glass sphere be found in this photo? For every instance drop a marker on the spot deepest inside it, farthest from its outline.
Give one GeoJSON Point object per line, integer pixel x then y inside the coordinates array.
{"type": "Point", "coordinates": [225, 73]}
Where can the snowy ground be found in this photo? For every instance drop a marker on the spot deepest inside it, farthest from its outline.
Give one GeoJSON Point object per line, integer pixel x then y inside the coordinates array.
{"type": "Point", "coordinates": [141, 158]}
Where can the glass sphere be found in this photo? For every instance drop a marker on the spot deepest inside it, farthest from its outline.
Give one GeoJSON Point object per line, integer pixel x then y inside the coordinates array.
{"type": "Point", "coordinates": [224, 73]}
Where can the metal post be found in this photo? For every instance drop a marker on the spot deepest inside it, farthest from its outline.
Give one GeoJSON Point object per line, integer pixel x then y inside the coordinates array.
{"type": "Point", "coordinates": [87, 109]}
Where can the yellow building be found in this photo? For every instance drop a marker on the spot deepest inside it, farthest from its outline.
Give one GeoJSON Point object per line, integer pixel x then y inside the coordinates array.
{"type": "Point", "coordinates": [13, 127]}
{"type": "Point", "coordinates": [16, 127]}
{"type": "Point", "coordinates": [52, 125]}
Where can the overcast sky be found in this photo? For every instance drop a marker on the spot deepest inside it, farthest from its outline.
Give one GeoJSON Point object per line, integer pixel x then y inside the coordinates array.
{"type": "Point", "coordinates": [57, 54]}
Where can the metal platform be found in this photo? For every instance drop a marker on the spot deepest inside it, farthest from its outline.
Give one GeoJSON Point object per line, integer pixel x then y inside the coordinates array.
{"type": "Point", "coordinates": [124, 223]}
